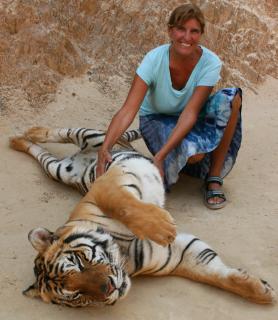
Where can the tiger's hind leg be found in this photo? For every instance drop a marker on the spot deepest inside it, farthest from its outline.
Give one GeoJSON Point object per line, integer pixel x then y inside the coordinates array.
{"type": "Point", "coordinates": [63, 170]}
{"type": "Point", "coordinates": [201, 263]}
{"type": "Point", "coordinates": [85, 139]}
{"type": "Point", "coordinates": [191, 258]}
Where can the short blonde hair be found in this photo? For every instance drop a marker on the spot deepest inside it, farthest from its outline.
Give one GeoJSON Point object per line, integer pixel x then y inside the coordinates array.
{"type": "Point", "coordinates": [184, 13]}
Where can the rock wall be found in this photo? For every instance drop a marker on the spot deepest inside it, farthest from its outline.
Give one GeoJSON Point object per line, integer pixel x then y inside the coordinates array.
{"type": "Point", "coordinates": [43, 41]}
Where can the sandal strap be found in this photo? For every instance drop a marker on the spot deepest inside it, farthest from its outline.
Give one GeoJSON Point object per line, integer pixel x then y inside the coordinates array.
{"type": "Point", "coordinates": [214, 179]}
{"type": "Point", "coordinates": [215, 193]}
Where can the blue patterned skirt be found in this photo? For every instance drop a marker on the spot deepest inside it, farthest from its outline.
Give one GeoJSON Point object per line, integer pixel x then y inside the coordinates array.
{"type": "Point", "coordinates": [204, 137]}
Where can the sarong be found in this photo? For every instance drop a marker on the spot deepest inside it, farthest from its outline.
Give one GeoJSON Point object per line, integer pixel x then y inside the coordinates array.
{"type": "Point", "coordinates": [204, 137]}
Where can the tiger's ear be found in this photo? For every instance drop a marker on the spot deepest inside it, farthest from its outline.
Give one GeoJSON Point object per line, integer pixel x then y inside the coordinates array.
{"type": "Point", "coordinates": [40, 239]}
{"type": "Point", "coordinates": [32, 291]}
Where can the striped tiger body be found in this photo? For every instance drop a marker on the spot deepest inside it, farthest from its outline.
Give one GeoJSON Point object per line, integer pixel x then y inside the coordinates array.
{"type": "Point", "coordinates": [118, 230]}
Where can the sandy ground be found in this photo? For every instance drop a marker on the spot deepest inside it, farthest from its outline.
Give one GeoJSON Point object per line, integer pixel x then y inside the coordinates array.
{"type": "Point", "coordinates": [244, 233]}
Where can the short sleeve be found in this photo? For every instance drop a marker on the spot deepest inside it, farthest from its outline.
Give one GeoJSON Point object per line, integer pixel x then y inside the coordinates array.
{"type": "Point", "coordinates": [146, 70]}
{"type": "Point", "coordinates": [210, 74]}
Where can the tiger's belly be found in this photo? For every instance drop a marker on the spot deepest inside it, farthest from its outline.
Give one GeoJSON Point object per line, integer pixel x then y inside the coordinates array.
{"type": "Point", "coordinates": [143, 180]}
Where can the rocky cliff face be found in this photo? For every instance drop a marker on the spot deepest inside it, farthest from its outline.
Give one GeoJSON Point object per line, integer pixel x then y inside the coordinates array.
{"type": "Point", "coordinates": [43, 41]}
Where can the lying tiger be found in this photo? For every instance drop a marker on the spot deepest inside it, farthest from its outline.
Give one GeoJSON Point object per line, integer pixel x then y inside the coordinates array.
{"type": "Point", "coordinates": [118, 230]}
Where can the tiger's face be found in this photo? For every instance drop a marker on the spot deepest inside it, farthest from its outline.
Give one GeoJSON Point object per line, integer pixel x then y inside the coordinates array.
{"type": "Point", "coordinates": [80, 268]}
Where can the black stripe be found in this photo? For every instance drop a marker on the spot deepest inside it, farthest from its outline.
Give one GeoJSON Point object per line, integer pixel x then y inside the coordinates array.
{"type": "Point", "coordinates": [183, 252]}
{"type": "Point", "coordinates": [150, 270]}
{"type": "Point", "coordinates": [211, 255]}
{"type": "Point", "coordinates": [115, 156]}
{"type": "Point", "coordinates": [92, 173]}
{"type": "Point", "coordinates": [68, 134]}
{"type": "Point", "coordinates": [78, 236]}
{"type": "Point", "coordinates": [56, 269]}
{"type": "Point", "coordinates": [99, 216]}
{"type": "Point", "coordinates": [58, 173]}
{"type": "Point", "coordinates": [126, 156]}
{"type": "Point", "coordinates": [132, 135]}
{"type": "Point", "coordinates": [84, 145]}
{"type": "Point", "coordinates": [45, 158]}
{"type": "Point", "coordinates": [134, 187]}
{"type": "Point", "coordinates": [135, 156]}
{"type": "Point", "coordinates": [50, 267]}
{"type": "Point", "coordinates": [93, 135]}
{"type": "Point", "coordinates": [203, 252]}
{"type": "Point", "coordinates": [77, 135]}
{"type": "Point", "coordinates": [167, 261]}
{"type": "Point", "coordinates": [122, 239]}
{"type": "Point", "coordinates": [88, 246]}
{"type": "Point", "coordinates": [133, 174]}
{"type": "Point", "coordinates": [84, 131]}
{"type": "Point", "coordinates": [43, 152]}
{"type": "Point", "coordinates": [156, 178]}
{"type": "Point", "coordinates": [122, 235]}
{"type": "Point", "coordinates": [139, 255]}
{"type": "Point", "coordinates": [83, 184]}
{"type": "Point", "coordinates": [98, 144]}
{"type": "Point", "coordinates": [62, 268]}
{"type": "Point", "coordinates": [57, 255]}
{"type": "Point", "coordinates": [48, 164]}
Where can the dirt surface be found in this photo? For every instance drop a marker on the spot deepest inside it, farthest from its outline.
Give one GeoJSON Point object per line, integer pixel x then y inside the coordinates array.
{"type": "Point", "coordinates": [244, 233]}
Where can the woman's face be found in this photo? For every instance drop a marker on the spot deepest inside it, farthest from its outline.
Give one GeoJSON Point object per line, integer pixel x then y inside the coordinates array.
{"type": "Point", "coordinates": [185, 37]}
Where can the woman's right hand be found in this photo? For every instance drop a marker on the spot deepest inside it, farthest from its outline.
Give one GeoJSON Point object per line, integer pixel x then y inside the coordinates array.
{"type": "Point", "coordinates": [159, 164]}
{"type": "Point", "coordinates": [104, 157]}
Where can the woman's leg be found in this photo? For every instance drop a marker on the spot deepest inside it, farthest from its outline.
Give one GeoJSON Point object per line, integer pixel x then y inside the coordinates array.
{"type": "Point", "coordinates": [219, 154]}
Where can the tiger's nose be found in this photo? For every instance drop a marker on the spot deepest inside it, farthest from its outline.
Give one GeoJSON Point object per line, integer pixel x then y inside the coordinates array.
{"type": "Point", "coordinates": [107, 288]}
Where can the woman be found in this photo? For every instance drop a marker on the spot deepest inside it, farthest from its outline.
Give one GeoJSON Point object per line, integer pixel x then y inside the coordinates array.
{"type": "Point", "coordinates": [184, 127]}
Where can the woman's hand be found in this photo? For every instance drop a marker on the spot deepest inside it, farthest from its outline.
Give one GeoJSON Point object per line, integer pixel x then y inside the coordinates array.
{"type": "Point", "coordinates": [104, 157]}
{"type": "Point", "coordinates": [158, 162]}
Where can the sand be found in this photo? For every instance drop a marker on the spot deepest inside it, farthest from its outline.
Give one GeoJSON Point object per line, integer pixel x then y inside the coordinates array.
{"type": "Point", "coordinates": [244, 233]}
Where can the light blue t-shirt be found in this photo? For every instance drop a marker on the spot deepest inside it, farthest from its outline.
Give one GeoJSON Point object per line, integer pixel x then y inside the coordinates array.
{"type": "Point", "coordinates": [161, 97]}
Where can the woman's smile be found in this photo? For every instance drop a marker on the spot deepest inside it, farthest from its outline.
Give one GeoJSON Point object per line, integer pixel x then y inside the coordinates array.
{"type": "Point", "coordinates": [185, 37]}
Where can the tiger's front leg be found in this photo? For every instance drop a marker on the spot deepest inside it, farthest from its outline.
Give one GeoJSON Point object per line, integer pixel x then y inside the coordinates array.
{"type": "Point", "coordinates": [145, 220]}
{"type": "Point", "coordinates": [191, 258]}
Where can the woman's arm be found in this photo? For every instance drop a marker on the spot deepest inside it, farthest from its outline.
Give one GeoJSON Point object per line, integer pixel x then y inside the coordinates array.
{"type": "Point", "coordinates": [185, 123]}
{"type": "Point", "coordinates": [121, 121]}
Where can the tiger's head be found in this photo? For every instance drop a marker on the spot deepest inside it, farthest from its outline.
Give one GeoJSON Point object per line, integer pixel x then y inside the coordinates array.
{"type": "Point", "coordinates": [83, 267]}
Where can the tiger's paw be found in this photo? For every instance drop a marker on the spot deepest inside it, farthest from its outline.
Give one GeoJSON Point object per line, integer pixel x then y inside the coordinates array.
{"type": "Point", "coordinates": [37, 134]}
{"type": "Point", "coordinates": [20, 143]}
{"type": "Point", "coordinates": [253, 288]}
{"type": "Point", "coordinates": [155, 224]}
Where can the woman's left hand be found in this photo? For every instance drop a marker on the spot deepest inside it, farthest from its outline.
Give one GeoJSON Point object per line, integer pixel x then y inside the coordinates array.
{"type": "Point", "coordinates": [159, 164]}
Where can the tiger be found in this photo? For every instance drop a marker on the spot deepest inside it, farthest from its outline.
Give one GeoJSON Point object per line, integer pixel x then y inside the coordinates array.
{"type": "Point", "coordinates": [119, 230]}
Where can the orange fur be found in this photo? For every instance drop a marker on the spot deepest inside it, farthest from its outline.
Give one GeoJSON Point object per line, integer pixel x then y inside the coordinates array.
{"type": "Point", "coordinates": [37, 134]}
{"type": "Point", "coordinates": [238, 282]}
{"type": "Point", "coordinates": [20, 144]}
{"type": "Point", "coordinates": [145, 220]}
